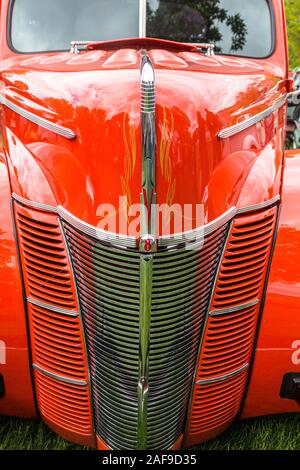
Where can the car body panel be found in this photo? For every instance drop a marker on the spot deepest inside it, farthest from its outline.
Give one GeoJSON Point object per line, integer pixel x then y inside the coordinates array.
{"type": "Point", "coordinates": [103, 162]}
{"type": "Point", "coordinates": [277, 351]}
{"type": "Point", "coordinates": [14, 363]}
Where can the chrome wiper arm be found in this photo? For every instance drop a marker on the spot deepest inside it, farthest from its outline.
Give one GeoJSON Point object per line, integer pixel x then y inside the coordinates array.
{"type": "Point", "coordinates": [209, 47]}
{"type": "Point", "coordinates": [77, 46]}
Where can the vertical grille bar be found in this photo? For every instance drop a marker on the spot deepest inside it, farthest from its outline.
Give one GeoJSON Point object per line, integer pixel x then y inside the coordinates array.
{"type": "Point", "coordinates": [146, 271]}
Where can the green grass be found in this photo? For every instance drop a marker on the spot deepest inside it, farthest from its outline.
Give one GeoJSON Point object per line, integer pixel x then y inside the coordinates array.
{"type": "Point", "coordinates": [271, 433]}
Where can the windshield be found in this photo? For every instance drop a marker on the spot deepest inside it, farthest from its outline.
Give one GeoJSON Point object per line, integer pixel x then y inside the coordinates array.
{"type": "Point", "coordinates": [234, 26]}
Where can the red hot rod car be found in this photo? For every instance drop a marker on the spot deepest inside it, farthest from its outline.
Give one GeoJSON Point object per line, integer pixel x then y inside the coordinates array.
{"type": "Point", "coordinates": [149, 221]}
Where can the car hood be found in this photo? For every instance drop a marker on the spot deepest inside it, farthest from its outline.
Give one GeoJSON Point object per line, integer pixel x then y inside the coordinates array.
{"type": "Point", "coordinates": [97, 95]}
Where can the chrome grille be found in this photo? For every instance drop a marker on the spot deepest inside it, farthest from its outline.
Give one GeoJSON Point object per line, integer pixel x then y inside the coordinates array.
{"type": "Point", "coordinates": [108, 284]}
{"type": "Point", "coordinates": [108, 281]}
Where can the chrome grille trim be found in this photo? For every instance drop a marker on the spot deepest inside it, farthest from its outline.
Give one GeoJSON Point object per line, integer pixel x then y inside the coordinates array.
{"type": "Point", "coordinates": [257, 207]}
{"type": "Point", "coordinates": [216, 313]}
{"type": "Point", "coordinates": [173, 242]}
{"type": "Point", "coordinates": [60, 378]}
{"type": "Point", "coordinates": [45, 123]}
{"type": "Point", "coordinates": [222, 378]}
{"type": "Point", "coordinates": [108, 282]}
{"type": "Point", "coordinates": [33, 204]}
{"type": "Point", "coordinates": [195, 236]}
{"type": "Point", "coordinates": [108, 279]}
{"type": "Point", "coordinates": [63, 311]}
{"type": "Point", "coordinates": [111, 326]}
{"type": "Point", "coordinates": [103, 236]}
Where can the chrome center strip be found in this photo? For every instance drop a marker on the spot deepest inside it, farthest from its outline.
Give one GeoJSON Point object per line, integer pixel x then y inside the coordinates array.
{"type": "Point", "coordinates": [148, 194]}
{"type": "Point", "coordinates": [147, 239]}
{"type": "Point", "coordinates": [241, 126]}
{"type": "Point", "coordinates": [146, 271]}
{"type": "Point", "coordinates": [63, 311]}
{"type": "Point", "coordinates": [225, 311]}
{"type": "Point", "coordinates": [60, 378]}
{"type": "Point", "coordinates": [50, 126]}
{"type": "Point", "coordinates": [222, 378]}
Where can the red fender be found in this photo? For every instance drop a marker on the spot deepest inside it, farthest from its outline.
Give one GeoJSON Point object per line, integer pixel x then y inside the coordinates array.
{"type": "Point", "coordinates": [18, 399]}
{"type": "Point", "coordinates": [278, 347]}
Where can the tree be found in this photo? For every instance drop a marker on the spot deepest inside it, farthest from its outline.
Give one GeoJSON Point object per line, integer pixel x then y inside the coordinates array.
{"type": "Point", "coordinates": [170, 21]}
{"type": "Point", "coordinates": [293, 24]}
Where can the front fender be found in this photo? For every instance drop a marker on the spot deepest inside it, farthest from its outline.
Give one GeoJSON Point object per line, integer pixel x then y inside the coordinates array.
{"type": "Point", "coordinates": [278, 346]}
{"type": "Point", "coordinates": [18, 399]}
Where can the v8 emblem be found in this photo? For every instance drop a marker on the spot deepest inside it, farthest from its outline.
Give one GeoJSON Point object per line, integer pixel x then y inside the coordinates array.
{"type": "Point", "coordinates": [296, 353]}
{"type": "Point", "coordinates": [2, 352]}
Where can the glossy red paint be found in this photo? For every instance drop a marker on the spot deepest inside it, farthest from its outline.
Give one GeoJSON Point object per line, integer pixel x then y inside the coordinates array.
{"type": "Point", "coordinates": [14, 361]}
{"type": "Point", "coordinates": [97, 95]}
{"type": "Point", "coordinates": [278, 346]}
{"type": "Point", "coordinates": [197, 96]}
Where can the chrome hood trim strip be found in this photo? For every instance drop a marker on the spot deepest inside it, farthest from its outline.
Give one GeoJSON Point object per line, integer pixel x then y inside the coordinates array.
{"type": "Point", "coordinates": [50, 126]}
{"type": "Point", "coordinates": [241, 126]}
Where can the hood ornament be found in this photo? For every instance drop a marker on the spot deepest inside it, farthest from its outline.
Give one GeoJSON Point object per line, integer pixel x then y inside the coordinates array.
{"type": "Point", "coordinates": [148, 194]}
